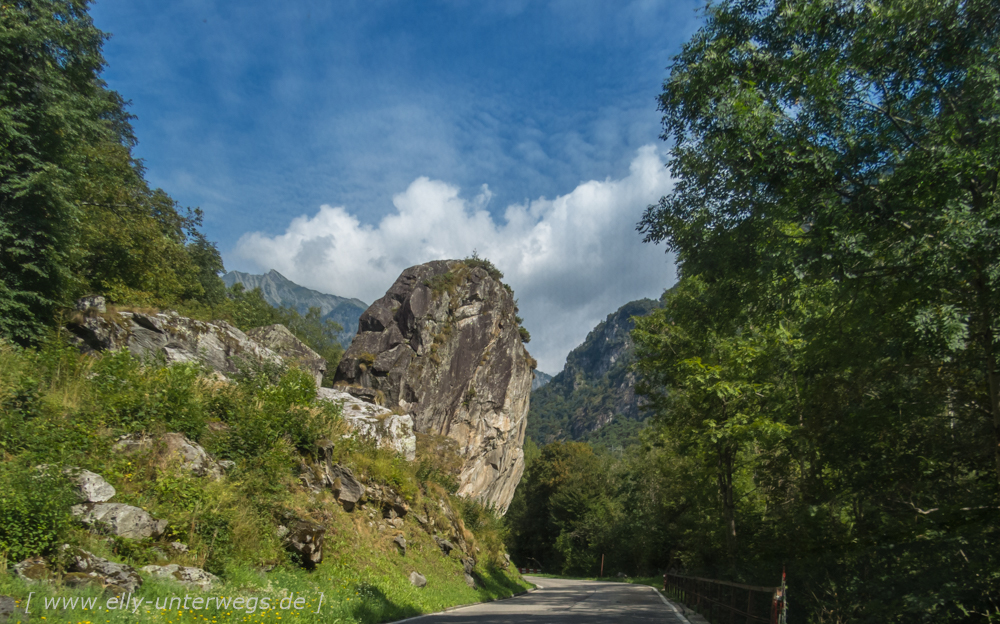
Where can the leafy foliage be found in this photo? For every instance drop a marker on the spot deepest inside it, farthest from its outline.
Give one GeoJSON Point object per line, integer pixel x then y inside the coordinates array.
{"type": "Point", "coordinates": [76, 214]}
{"type": "Point", "coordinates": [34, 510]}
{"type": "Point", "coordinates": [829, 358]}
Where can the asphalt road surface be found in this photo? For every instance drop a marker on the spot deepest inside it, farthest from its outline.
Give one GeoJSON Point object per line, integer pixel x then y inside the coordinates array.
{"type": "Point", "coordinates": [563, 601]}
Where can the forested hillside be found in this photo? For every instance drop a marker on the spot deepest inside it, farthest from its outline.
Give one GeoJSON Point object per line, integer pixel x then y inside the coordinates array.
{"type": "Point", "coordinates": [824, 378]}
{"type": "Point", "coordinates": [593, 397]}
{"type": "Point", "coordinates": [77, 216]}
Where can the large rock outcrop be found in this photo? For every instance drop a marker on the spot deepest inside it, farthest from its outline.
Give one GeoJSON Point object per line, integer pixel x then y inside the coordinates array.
{"type": "Point", "coordinates": [444, 345]}
{"type": "Point", "coordinates": [176, 338]}
{"type": "Point", "coordinates": [387, 428]}
{"type": "Point", "coordinates": [283, 342]}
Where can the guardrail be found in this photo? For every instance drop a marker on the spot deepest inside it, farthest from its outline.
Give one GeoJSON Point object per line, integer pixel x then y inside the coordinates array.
{"type": "Point", "coordinates": [722, 602]}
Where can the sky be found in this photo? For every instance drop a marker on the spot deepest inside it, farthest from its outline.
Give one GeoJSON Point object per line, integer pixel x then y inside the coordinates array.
{"type": "Point", "coordinates": [340, 142]}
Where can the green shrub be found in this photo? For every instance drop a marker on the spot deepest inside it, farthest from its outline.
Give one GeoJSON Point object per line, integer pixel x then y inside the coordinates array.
{"type": "Point", "coordinates": [132, 396]}
{"type": "Point", "coordinates": [475, 262]}
{"type": "Point", "coordinates": [34, 510]}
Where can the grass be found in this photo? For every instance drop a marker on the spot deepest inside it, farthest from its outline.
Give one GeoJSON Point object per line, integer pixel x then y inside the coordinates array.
{"type": "Point", "coordinates": [60, 408]}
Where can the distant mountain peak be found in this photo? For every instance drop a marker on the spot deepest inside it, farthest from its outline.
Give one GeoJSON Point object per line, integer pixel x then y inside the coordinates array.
{"type": "Point", "coordinates": [280, 291]}
{"type": "Point", "coordinates": [595, 391]}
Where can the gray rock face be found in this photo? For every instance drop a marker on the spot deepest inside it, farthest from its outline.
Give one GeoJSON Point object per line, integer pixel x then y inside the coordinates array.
{"type": "Point", "coordinates": [94, 302]}
{"type": "Point", "coordinates": [176, 448]}
{"type": "Point", "coordinates": [346, 488]}
{"type": "Point", "coordinates": [280, 291]}
{"type": "Point", "coordinates": [120, 519]}
{"type": "Point", "coordinates": [218, 345]}
{"type": "Point", "coordinates": [601, 366]}
{"type": "Point", "coordinates": [417, 579]}
{"type": "Point", "coordinates": [305, 539]}
{"type": "Point", "coordinates": [116, 577]}
{"type": "Point", "coordinates": [280, 340]}
{"type": "Point", "coordinates": [400, 543]}
{"type": "Point", "coordinates": [33, 570]}
{"type": "Point", "coordinates": [185, 575]}
{"type": "Point", "coordinates": [11, 610]}
{"type": "Point", "coordinates": [91, 487]}
{"type": "Point", "coordinates": [387, 429]}
{"type": "Point", "coordinates": [443, 344]}
{"type": "Point", "coordinates": [445, 546]}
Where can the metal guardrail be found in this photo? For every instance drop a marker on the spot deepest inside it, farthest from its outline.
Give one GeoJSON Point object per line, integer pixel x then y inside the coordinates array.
{"type": "Point", "coordinates": [722, 602]}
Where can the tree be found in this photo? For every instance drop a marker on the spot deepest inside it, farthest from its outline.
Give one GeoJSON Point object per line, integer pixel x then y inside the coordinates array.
{"type": "Point", "coordinates": [76, 214]}
{"type": "Point", "coordinates": [53, 103]}
{"type": "Point", "coordinates": [837, 167]}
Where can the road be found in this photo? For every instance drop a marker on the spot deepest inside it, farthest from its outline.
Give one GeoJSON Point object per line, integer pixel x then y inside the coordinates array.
{"type": "Point", "coordinates": [564, 601]}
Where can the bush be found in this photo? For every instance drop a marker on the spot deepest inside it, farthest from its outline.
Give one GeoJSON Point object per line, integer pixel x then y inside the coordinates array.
{"type": "Point", "coordinates": [475, 262]}
{"type": "Point", "coordinates": [34, 510]}
{"type": "Point", "coordinates": [131, 396]}
{"type": "Point", "coordinates": [525, 335]}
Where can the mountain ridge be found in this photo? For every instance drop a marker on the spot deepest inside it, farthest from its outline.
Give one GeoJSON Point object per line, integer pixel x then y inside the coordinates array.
{"type": "Point", "coordinates": [593, 398]}
{"type": "Point", "coordinates": [280, 291]}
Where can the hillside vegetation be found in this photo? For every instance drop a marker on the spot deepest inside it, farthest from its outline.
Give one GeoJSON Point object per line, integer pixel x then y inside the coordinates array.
{"type": "Point", "coordinates": [77, 218]}
{"type": "Point", "coordinates": [59, 408]}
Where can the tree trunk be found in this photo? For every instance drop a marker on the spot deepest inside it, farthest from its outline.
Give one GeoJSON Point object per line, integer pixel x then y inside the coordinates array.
{"type": "Point", "coordinates": [727, 457]}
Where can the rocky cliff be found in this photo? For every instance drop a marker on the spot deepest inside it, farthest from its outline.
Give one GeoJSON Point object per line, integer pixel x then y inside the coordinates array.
{"type": "Point", "coordinates": [594, 395]}
{"type": "Point", "coordinates": [444, 345]}
{"type": "Point", "coordinates": [224, 349]}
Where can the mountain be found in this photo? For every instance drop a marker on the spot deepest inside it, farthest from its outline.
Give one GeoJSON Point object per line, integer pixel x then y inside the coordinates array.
{"type": "Point", "coordinates": [540, 380]}
{"type": "Point", "coordinates": [280, 291]}
{"type": "Point", "coordinates": [593, 398]}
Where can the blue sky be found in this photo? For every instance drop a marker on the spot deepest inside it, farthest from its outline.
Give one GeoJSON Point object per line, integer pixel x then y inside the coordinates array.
{"type": "Point", "coordinates": [340, 142]}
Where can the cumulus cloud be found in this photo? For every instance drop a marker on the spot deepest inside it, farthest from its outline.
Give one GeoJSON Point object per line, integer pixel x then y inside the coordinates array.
{"type": "Point", "coordinates": [571, 260]}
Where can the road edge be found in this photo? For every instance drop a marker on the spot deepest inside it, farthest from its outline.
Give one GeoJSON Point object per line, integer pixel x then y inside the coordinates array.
{"type": "Point", "coordinates": [465, 606]}
{"type": "Point", "coordinates": [669, 603]}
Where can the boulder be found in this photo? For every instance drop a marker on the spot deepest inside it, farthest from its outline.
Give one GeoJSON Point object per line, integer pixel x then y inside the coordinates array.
{"type": "Point", "coordinates": [444, 345]}
{"type": "Point", "coordinates": [173, 447]}
{"type": "Point", "coordinates": [218, 345]}
{"type": "Point", "coordinates": [417, 579]}
{"type": "Point", "coordinates": [445, 546]}
{"type": "Point", "coordinates": [305, 539]}
{"type": "Point", "coordinates": [119, 519]}
{"type": "Point", "coordinates": [116, 578]}
{"type": "Point", "coordinates": [185, 575]}
{"type": "Point", "coordinates": [392, 505]}
{"type": "Point", "coordinates": [90, 486]}
{"type": "Point", "coordinates": [92, 304]}
{"type": "Point", "coordinates": [11, 611]}
{"type": "Point", "coordinates": [385, 427]}
{"type": "Point", "coordinates": [345, 487]}
{"type": "Point", "coordinates": [80, 579]}
{"type": "Point", "coordinates": [281, 341]}
{"type": "Point", "coordinates": [470, 580]}
{"type": "Point", "coordinates": [33, 570]}
{"type": "Point", "coordinates": [400, 543]}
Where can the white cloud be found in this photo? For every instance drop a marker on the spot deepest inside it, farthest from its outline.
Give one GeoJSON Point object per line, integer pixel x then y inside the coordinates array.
{"type": "Point", "coordinates": [571, 260]}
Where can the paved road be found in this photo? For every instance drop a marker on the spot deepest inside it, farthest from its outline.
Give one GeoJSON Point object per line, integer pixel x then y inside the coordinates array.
{"type": "Point", "coordinates": [563, 601]}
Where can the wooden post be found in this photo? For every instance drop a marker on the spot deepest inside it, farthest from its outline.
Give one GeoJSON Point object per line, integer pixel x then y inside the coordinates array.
{"type": "Point", "coordinates": [602, 566]}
